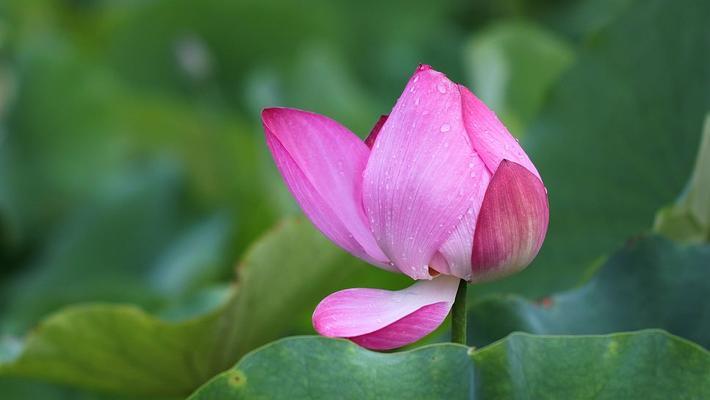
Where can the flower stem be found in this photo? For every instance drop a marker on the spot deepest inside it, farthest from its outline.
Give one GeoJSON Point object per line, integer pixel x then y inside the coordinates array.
{"type": "Point", "coordinates": [458, 315]}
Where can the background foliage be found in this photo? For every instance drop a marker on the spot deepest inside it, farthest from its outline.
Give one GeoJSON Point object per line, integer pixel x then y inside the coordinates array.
{"type": "Point", "coordinates": [147, 242]}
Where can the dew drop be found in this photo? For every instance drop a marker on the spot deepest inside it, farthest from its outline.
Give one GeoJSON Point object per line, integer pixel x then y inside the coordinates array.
{"type": "Point", "coordinates": [441, 88]}
{"type": "Point", "coordinates": [416, 101]}
{"type": "Point", "coordinates": [445, 128]}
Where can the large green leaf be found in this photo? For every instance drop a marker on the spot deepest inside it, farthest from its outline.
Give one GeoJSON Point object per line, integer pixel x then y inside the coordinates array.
{"type": "Point", "coordinates": [616, 140]}
{"type": "Point", "coordinates": [650, 283]}
{"type": "Point", "coordinates": [643, 365]}
{"type": "Point", "coordinates": [121, 348]}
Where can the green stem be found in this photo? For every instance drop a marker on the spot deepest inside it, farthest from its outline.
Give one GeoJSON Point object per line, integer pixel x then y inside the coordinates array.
{"type": "Point", "coordinates": [458, 315]}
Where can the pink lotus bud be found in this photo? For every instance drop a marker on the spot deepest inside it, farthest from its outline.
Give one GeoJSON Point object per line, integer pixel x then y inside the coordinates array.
{"type": "Point", "coordinates": [439, 187]}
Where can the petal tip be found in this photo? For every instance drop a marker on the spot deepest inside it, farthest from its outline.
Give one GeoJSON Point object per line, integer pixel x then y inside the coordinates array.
{"type": "Point", "coordinates": [512, 223]}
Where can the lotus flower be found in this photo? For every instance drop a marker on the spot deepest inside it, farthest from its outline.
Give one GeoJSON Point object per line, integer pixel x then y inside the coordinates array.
{"type": "Point", "coordinates": [439, 191]}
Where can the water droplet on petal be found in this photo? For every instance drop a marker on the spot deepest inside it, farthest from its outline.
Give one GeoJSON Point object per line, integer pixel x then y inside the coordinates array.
{"type": "Point", "coordinates": [441, 88]}
{"type": "Point", "coordinates": [445, 128]}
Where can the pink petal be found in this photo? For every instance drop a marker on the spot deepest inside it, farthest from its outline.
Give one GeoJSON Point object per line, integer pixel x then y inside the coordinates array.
{"type": "Point", "coordinates": [490, 138]}
{"type": "Point", "coordinates": [370, 140]}
{"type": "Point", "coordinates": [420, 177]}
{"type": "Point", "coordinates": [457, 249]}
{"type": "Point", "coordinates": [512, 223]}
{"type": "Point", "coordinates": [407, 330]}
{"type": "Point", "coordinates": [384, 319]}
{"type": "Point", "coordinates": [322, 163]}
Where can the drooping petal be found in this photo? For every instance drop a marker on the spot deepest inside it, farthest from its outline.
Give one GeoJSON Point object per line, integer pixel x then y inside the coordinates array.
{"type": "Point", "coordinates": [457, 249]}
{"type": "Point", "coordinates": [419, 178]}
{"type": "Point", "coordinates": [406, 330]}
{"type": "Point", "coordinates": [383, 319]}
{"type": "Point", "coordinates": [370, 139]}
{"type": "Point", "coordinates": [512, 223]}
{"type": "Point", "coordinates": [489, 136]}
{"type": "Point", "coordinates": [322, 163]}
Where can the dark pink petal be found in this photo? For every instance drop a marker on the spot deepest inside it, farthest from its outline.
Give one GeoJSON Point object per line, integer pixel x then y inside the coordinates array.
{"type": "Point", "coordinates": [384, 319]}
{"type": "Point", "coordinates": [420, 178]}
{"type": "Point", "coordinates": [322, 163]}
{"type": "Point", "coordinates": [489, 137]}
{"type": "Point", "coordinates": [370, 140]}
{"type": "Point", "coordinates": [512, 223]}
{"type": "Point", "coordinates": [457, 249]}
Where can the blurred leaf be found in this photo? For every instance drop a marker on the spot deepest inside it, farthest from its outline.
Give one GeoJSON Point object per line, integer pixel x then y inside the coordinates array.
{"type": "Point", "coordinates": [103, 251]}
{"type": "Point", "coordinates": [689, 219]}
{"type": "Point", "coordinates": [624, 365]}
{"type": "Point", "coordinates": [322, 81]}
{"type": "Point", "coordinates": [650, 283]}
{"type": "Point", "coordinates": [227, 38]}
{"type": "Point", "coordinates": [579, 18]}
{"type": "Point", "coordinates": [511, 67]}
{"type": "Point", "coordinates": [124, 349]}
{"type": "Point", "coordinates": [57, 154]}
{"type": "Point", "coordinates": [24, 389]}
{"type": "Point", "coordinates": [194, 259]}
{"type": "Point", "coordinates": [617, 138]}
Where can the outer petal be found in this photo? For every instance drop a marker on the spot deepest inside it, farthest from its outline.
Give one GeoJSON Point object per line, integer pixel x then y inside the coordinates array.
{"type": "Point", "coordinates": [457, 249]}
{"type": "Point", "coordinates": [370, 139]}
{"type": "Point", "coordinates": [489, 137]}
{"type": "Point", "coordinates": [418, 180]}
{"type": "Point", "coordinates": [384, 319]}
{"type": "Point", "coordinates": [512, 223]}
{"type": "Point", "coordinates": [322, 163]}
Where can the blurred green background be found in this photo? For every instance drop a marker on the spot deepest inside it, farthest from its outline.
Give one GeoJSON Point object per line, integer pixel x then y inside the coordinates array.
{"type": "Point", "coordinates": [133, 168]}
